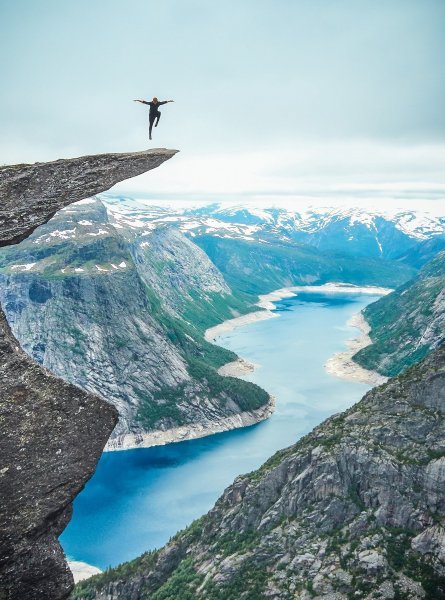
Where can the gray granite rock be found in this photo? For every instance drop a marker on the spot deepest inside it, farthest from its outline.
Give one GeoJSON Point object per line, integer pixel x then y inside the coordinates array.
{"type": "Point", "coordinates": [31, 194]}
{"type": "Point", "coordinates": [51, 432]}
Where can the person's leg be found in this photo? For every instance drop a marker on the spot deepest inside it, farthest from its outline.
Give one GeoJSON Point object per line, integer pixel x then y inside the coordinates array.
{"type": "Point", "coordinates": [158, 116]}
{"type": "Point", "coordinates": [151, 126]}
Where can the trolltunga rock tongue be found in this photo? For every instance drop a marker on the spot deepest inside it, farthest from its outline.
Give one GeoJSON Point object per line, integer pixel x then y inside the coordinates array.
{"type": "Point", "coordinates": [31, 194]}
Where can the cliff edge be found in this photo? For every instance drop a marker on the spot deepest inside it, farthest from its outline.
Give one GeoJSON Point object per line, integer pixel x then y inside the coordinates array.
{"type": "Point", "coordinates": [32, 194]}
{"type": "Point", "coordinates": [51, 432]}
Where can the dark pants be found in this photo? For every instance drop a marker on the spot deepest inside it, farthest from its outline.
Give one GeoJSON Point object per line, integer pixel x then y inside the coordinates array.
{"type": "Point", "coordinates": [154, 117]}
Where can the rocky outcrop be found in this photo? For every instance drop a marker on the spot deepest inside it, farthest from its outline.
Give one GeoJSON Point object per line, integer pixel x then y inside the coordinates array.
{"type": "Point", "coordinates": [52, 433]}
{"type": "Point", "coordinates": [32, 194]}
{"type": "Point", "coordinates": [355, 509]}
{"type": "Point", "coordinates": [407, 324]}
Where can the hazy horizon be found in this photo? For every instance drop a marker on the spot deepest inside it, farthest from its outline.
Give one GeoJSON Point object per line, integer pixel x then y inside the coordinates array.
{"type": "Point", "coordinates": [305, 205]}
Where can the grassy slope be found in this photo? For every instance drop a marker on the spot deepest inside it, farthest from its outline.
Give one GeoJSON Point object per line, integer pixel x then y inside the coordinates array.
{"type": "Point", "coordinates": [203, 360]}
{"type": "Point", "coordinates": [399, 320]}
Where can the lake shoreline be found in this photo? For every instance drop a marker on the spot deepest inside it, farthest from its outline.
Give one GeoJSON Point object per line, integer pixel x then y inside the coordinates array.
{"type": "Point", "coordinates": [82, 570]}
{"type": "Point", "coordinates": [192, 431]}
{"type": "Point", "coordinates": [342, 364]}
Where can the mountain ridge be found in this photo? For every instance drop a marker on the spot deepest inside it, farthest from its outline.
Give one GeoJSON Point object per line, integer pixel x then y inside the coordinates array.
{"type": "Point", "coordinates": [394, 234]}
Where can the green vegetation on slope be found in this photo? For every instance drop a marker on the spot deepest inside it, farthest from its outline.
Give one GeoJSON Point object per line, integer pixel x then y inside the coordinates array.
{"type": "Point", "coordinates": [254, 268]}
{"type": "Point", "coordinates": [203, 360]}
{"type": "Point", "coordinates": [407, 324]}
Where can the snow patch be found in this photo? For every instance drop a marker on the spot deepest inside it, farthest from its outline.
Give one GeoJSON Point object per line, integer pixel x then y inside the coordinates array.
{"type": "Point", "coordinates": [26, 267]}
{"type": "Point", "coordinates": [87, 201]}
{"type": "Point", "coordinates": [65, 234]}
{"type": "Point", "coordinates": [100, 232]}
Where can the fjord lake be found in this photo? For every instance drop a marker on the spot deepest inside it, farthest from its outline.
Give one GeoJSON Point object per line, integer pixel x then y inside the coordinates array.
{"type": "Point", "coordinates": [138, 499]}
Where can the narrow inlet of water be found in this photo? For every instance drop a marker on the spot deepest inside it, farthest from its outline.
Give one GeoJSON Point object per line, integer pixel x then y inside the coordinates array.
{"type": "Point", "coordinates": [138, 499]}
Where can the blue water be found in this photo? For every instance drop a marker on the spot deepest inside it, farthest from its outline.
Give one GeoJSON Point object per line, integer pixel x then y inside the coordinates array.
{"type": "Point", "coordinates": [138, 499]}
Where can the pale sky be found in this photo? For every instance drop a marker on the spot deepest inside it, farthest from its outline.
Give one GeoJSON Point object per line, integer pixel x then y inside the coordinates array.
{"type": "Point", "coordinates": [272, 97]}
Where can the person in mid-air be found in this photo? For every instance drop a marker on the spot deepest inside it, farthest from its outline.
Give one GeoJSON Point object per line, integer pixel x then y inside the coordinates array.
{"type": "Point", "coordinates": [155, 114]}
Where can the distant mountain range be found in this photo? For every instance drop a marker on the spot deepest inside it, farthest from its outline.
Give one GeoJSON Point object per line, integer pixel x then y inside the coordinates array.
{"type": "Point", "coordinates": [258, 251]}
{"type": "Point", "coordinates": [411, 237]}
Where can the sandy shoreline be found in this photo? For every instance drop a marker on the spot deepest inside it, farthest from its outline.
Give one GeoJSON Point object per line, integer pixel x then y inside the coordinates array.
{"type": "Point", "coordinates": [191, 431]}
{"type": "Point", "coordinates": [340, 365]}
{"type": "Point", "coordinates": [265, 302]}
{"type": "Point", "coordinates": [81, 570]}
{"type": "Point", "coordinates": [236, 368]}
{"type": "Point", "coordinates": [213, 332]}
{"type": "Point", "coordinates": [343, 366]}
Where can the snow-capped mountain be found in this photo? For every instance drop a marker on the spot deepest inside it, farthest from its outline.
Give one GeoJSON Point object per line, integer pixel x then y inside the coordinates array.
{"type": "Point", "coordinates": [379, 234]}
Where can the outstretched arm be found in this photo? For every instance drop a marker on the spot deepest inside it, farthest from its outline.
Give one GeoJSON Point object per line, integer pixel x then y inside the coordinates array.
{"type": "Point", "coordinates": [165, 102]}
{"type": "Point", "coordinates": [141, 101]}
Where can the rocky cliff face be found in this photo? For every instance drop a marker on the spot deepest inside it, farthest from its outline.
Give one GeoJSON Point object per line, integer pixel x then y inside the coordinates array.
{"type": "Point", "coordinates": [118, 306]}
{"type": "Point", "coordinates": [354, 510]}
{"type": "Point", "coordinates": [52, 433]}
{"type": "Point", "coordinates": [407, 324]}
